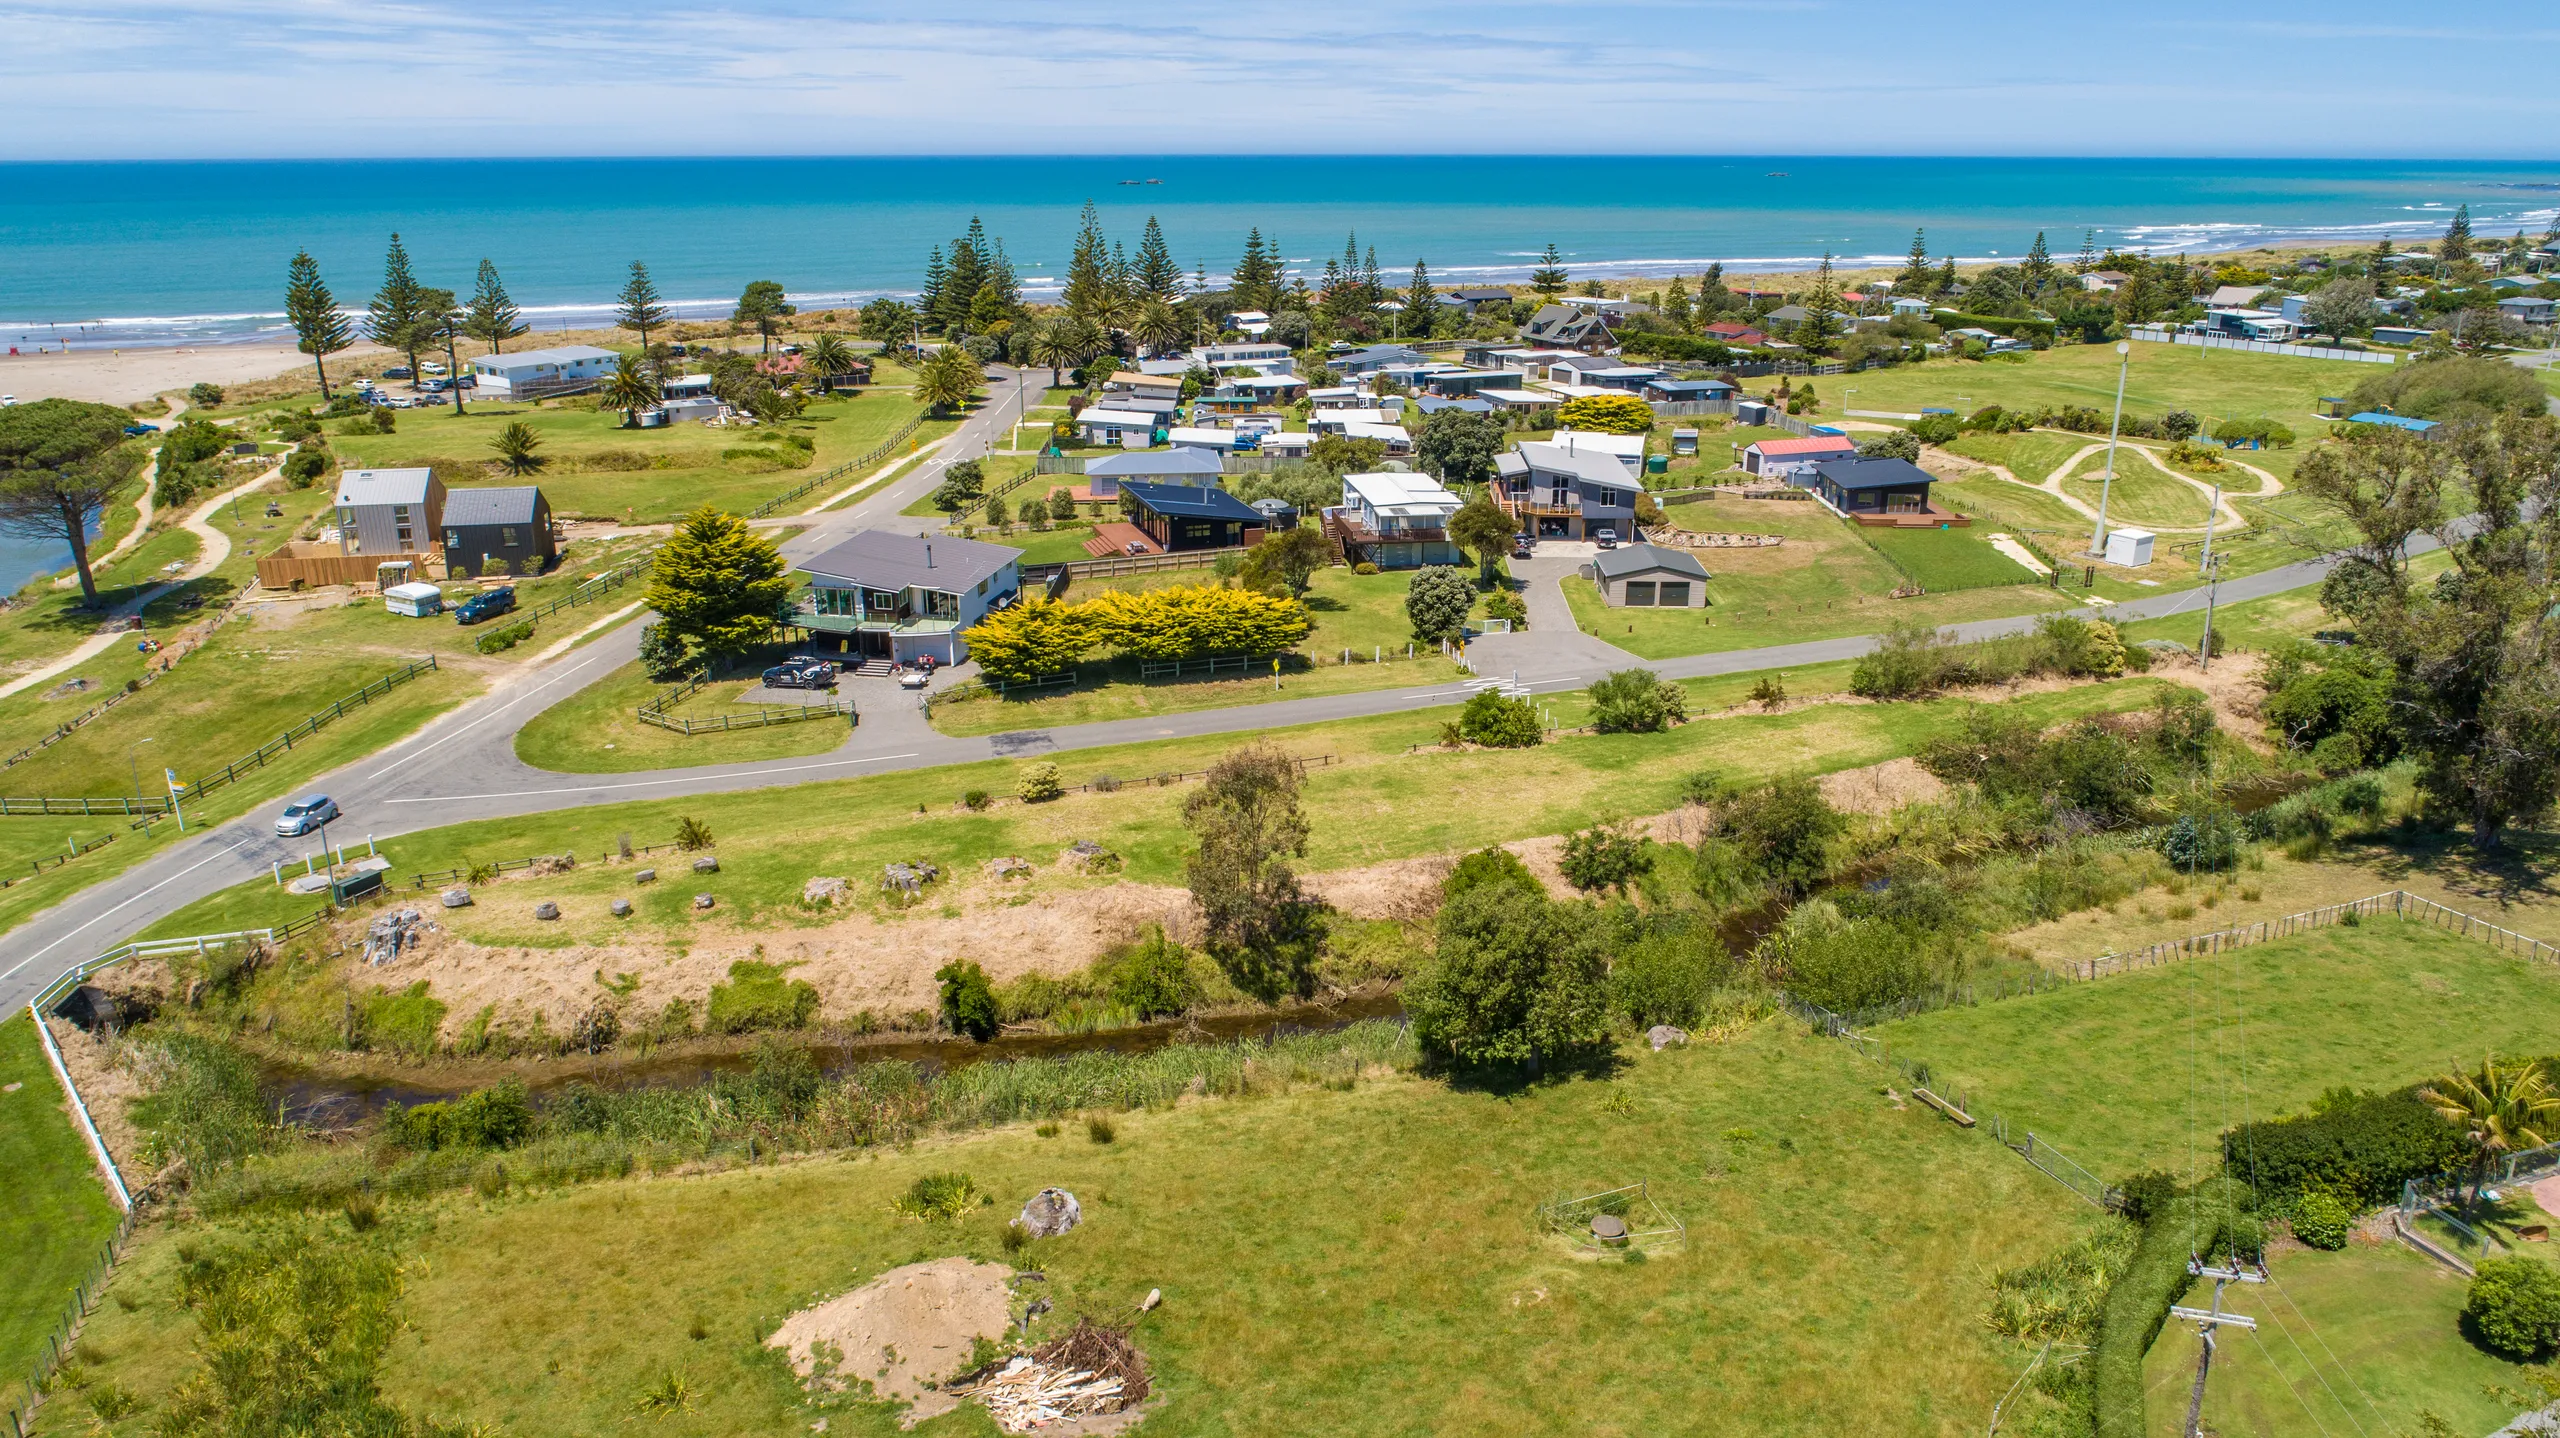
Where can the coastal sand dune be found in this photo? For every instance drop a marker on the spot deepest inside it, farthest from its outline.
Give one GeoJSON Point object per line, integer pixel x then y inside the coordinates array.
{"type": "Point", "coordinates": [109, 376]}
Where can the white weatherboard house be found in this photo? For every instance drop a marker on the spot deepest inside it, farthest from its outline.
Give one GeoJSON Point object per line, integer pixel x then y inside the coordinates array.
{"type": "Point", "coordinates": [1396, 521]}
{"type": "Point", "coordinates": [543, 369]}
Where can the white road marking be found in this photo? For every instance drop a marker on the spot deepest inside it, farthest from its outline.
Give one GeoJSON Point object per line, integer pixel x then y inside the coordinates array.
{"type": "Point", "coordinates": [138, 898]}
{"type": "Point", "coordinates": [485, 718]}
{"type": "Point", "coordinates": [638, 783]}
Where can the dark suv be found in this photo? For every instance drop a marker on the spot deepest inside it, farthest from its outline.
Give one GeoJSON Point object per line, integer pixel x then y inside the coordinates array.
{"type": "Point", "coordinates": [801, 672]}
{"type": "Point", "coordinates": [487, 604]}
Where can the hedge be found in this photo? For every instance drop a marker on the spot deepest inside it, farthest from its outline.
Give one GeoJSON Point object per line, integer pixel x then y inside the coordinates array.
{"type": "Point", "coordinates": [2138, 1303]}
{"type": "Point", "coordinates": [1997, 324]}
{"type": "Point", "coordinates": [2359, 1149]}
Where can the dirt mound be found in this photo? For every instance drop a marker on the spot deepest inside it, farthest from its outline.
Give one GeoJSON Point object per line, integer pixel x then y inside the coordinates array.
{"type": "Point", "coordinates": [908, 1327]}
{"type": "Point", "coordinates": [1881, 788]}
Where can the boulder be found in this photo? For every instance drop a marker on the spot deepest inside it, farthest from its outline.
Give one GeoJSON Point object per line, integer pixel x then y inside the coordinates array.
{"type": "Point", "coordinates": [1009, 867]}
{"type": "Point", "coordinates": [1051, 1211]}
{"type": "Point", "coordinates": [622, 908]}
{"type": "Point", "coordinates": [1663, 1036]}
{"type": "Point", "coordinates": [1091, 857]}
{"type": "Point", "coordinates": [645, 876]}
{"type": "Point", "coordinates": [546, 910]}
{"type": "Point", "coordinates": [707, 864]}
{"type": "Point", "coordinates": [909, 878]}
{"type": "Point", "coordinates": [703, 901]}
{"type": "Point", "coordinates": [824, 891]}
{"type": "Point", "coordinates": [457, 898]}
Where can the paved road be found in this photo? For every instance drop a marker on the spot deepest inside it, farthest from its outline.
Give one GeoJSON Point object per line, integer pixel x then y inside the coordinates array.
{"type": "Point", "coordinates": [463, 766]}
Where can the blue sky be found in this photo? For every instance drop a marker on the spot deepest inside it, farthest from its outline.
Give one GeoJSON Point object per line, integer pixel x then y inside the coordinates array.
{"type": "Point", "coordinates": [102, 79]}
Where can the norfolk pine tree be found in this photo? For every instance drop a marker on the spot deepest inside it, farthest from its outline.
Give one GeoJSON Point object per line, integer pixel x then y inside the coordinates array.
{"type": "Point", "coordinates": [493, 319]}
{"type": "Point", "coordinates": [718, 585]}
{"type": "Point", "coordinates": [319, 330]}
{"type": "Point", "coordinates": [638, 308]}
{"type": "Point", "coordinates": [1421, 302]}
{"type": "Point", "coordinates": [762, 306]}
{"type": "Point", "coordinates": [399, 308]}
{"type": "Point", "coordinates": [1821, 322]}
{"type": "Point", "coordinates": [1913, 278]}
{"type": "Point", "coordinates": [1550, 276]}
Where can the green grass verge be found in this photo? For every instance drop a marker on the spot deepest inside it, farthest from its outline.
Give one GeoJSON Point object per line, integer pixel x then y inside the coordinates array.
{"type": "Point", "coordinates": [57, 1215]}
{"type": "Point", "coordinates": [1398, 1286]}
{"type": "Point", "coordinates": [2215, 384]}
{"type": "Point", "coordinates": [2145, 1070]}
{"type": "Point", "coordinates": [1947, 560]}
{"type": "Point", "coordinates": [597, 730]}
{"type": "Point", "coordinates": [2032, 456]}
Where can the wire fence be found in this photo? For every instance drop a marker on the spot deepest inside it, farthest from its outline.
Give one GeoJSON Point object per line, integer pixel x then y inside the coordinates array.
{"type": "Point", "coordinates": [654, 712]}
{"type": "Point", "coordinates": [877, 453]}
{"type": "Point", "coordinates": [596, 588]}
{"type": "Point", "coordinates": [2396, 903]}
{"type": "Point", "coordinates": [29, 1392]}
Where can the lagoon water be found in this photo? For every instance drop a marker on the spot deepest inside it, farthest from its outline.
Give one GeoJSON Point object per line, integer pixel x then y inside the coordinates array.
{"type": "Point", "coordinates": [166, 253]}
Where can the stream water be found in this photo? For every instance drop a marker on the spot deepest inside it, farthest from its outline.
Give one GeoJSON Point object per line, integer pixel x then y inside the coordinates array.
{"type": "Point", "coordinates": [335, 1098]}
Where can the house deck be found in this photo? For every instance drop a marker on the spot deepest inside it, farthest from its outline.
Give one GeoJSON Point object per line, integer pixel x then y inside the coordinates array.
{"type": "Point", "coordinates": [1933, 517]}
{"type": "Point", "coordinates": [1118, 537]}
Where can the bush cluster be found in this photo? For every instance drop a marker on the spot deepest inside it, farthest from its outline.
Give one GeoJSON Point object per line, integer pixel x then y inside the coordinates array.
{"type": "Point", "coordinates": [2354, 1146]}
{"type": "Point", "coordinates": [498, 641]}
{"type": "Point", "coordinates": [497, 1117]}
{"type": "Point", "coordinates": [1040, 637]}
{"type": "Point", "coordinates": [1914, 660]}
{"type": "Point", "coordinates": [759, 996]}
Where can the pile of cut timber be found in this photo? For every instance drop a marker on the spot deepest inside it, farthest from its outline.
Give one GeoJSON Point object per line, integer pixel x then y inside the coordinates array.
{"type": "Point", "coordinates": [1092, 1369]}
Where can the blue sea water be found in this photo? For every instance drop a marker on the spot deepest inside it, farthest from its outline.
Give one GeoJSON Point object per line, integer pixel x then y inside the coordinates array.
{"type": "Point", "coordinates": [195, 252]}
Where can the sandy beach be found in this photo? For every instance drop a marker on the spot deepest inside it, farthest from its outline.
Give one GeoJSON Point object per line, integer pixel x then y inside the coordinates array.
{"type": "Point", "coordinates": [111, 377]}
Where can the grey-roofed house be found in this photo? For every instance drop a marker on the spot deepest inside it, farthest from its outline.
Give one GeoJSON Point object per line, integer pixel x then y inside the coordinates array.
{"type": "Point", "coordinates": [1565, 327]}
{"type": "Point", "coordinates": [1648, 576]}
{"type": "Point", "coordinates": [1183, 464]}
{"type": "Point", "coordinates": [1685, 391]}
{"type": "Point", "coordinates": [1880, 490]}
{"type": "Point", "coordinates": [1373, 359]}
{"type": "Point", "coordinates": [902, 597]}
{"type": "Point", "coordinates": [1566, 493]}
{"type": "Point", "coordinates": [1602, 371]}
{"type": "Point", "coordinates": [1181, 517]}
{"type": "Point", "coordinates": [498, 530]}
{"type": "Point", "coordinates": [1476, 298]}
{"type": "Point", "coordinates": [389, 511]}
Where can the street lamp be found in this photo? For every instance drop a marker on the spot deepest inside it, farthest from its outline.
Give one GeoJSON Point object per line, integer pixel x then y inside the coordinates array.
{"type": "Point", "coordinates": [132, 770]}
{"type": "Point", "coordinates": [2098, 536]}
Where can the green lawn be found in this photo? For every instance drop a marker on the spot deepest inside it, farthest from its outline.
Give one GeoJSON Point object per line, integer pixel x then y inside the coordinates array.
{"type": "Point", "coordinates": [58, 1215]}
{"type": "Point", "coordinates": [1360, 1262]}
{"type": "Point", "coordinates": [2014, 508]}
{"type": "Point", "coordinates": [2144, 1070]}
{"type": "Point", "coordinates": [2031, 456]}
{"type": "Point", "coordinates": [2215, 384]}
{"type": "Point", "coordinates": [1375, 803]}
{"type": "Point", "coordinates": [2374, 1324]}
{"type": "Point", "coordinates": [598, 468]}
{"type": "Point", "coordinates": [1951, 559]}
{"type": "Point", "coordinates": [2143, 493]}
{"type": "Point", "coordinates": [365, 624]}
{"type": "Point", "coordinates": [598, 731]}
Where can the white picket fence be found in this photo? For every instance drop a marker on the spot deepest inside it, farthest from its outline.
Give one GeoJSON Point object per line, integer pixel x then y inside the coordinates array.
{"type": "Point", "coordinates": [2160, 335]}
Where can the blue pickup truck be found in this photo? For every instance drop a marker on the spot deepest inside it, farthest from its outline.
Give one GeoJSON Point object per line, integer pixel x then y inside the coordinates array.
{"type": "Point", "coordinates": [487, 604]}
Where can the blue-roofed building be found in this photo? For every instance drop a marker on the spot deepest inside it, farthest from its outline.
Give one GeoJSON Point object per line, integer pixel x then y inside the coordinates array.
{"type": "Point", "coordinates": [2422, 428]}
{"type": "Point", "coordinates": [1182, 516]}
{"type": "Point", "coordinates": [1183, 464]}
{"type": "Point", "coordinates": [1684, 391]}
{"type": "Point", "coordinates": [1431, 404]}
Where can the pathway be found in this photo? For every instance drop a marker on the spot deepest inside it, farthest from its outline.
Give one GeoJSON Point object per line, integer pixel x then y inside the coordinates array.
{"type": "Point", "coordinates": [150, 491]}
{"type": "Point", "coordinates": [2231, 518]}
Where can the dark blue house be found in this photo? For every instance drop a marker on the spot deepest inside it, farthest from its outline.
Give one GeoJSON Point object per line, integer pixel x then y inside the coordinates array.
{"type": "Point", "coordinates": [1181, 516]}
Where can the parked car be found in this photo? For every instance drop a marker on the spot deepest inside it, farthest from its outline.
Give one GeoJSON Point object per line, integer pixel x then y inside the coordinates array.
{"type": "Point", "coordinates": [433, 386]}
{"type": "Point", "coordinates": [487, 604]}
{"type": "Point", "coordinates": [800, 672]}
{"type": "Point", "coordinates": [432, 367]}
{"type": "Point", "coordinates": [1523, 547]}
{"type": "Point", "coordinates": [398, 371]}
{"type": "Point", "coordinates": [1607, 538]}
{"type": "Point", "coordinates": [139, 430]}
{"type": "Point", "coordinates": [913, 679]}
{"type": "Point", "coordinates": [306, 814]}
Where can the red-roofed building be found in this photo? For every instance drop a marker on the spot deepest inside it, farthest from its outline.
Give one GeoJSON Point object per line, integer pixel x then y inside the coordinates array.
{"type": "Point", "coordinates": [1733, 334]}
{"type": "Point", "coordinates": [1780, 458]}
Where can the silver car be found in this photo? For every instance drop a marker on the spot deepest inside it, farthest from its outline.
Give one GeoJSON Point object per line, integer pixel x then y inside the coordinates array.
{"type": "Point", "coordinates": [306, 814]}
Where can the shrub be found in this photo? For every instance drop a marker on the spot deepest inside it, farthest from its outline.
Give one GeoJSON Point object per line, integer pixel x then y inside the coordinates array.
{"type": "Point", "coordinates": [968, 1000]}
{"type": "Point", "coordinates": [2357, 1147]}
{"type": "Point", "coordinates": [1785, 831]}
{"type": "Point", "coordinates": [2207, 841]}
{"type": "Point", "coordinates": [1500, 723]}
{"type": "Point", "coordinates": [1900, 444]}
{"type": "Point", "coordinates": [1489, 866]}
{"type": "Point", "coordinates": [2320, 1221]}
{"type": "Point", "coordinates": [1903, 665]}
{"type": "Point", "coordinates": [1503, 604]}
{"type": "Point", "coordinates": [499, 1117]}
{"type": "Point", "coordinates": [1040, 783]}
{"type": "Point", "coordinates": [1099, 1128]}
{"type": "Point", "coordinates": [759, 996]}
{"type": "Point", "coordinates": [1438, 601]}
{"type": "Point", "coordinates": [304, 467]}
{"type": "Point", "coordinates": [1636, 701]}
{"type": "Point", "coordinates": [1602, 857]}
{"type": "Point", "coordinates": [943, 1196]}
{"type": "Point", "coordinates": [692, 834]}
{"type": "Point", "coordinates": [1937, 429]}
{"type": "Point", "coordinates": [498, 641]}
{"type": "Point", "coordinates": [1155, 980]}
{"type": "Point", "coordinates": [663, 656]}
{"type": "Point", "coordinates": [2514, 1304]}
{"type": "Point", "coordinates": [1666, 976]}
{"type": "Point", "coordinates": [1364, 567]}
{"type": "Point", "coordinates": [1606, 413]}
{"type": "Point", "coordinates": [975, 800]}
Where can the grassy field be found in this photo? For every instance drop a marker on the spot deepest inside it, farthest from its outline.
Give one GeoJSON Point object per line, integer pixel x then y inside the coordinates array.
{"type": "Point", "coordinates": [1359, 1262]}
{"type": "Point", "coordinates": [1376, 802]}
{"type": "Point", "coordinates": [2143, 1070]}
{"type": "Point", "coordinates": [2359, 1340]}
{"type": "Point", "coordinates": [2143, 493]}
{"type": "Point", "coordinates": [598, 731]}
{"type": "Point", "coordinates": [58, 1214]}
{"type": "Point", "coordinates": [600, 469]}
{"type": "Point", "coordinates": [2215, 384]}
{"type": "Point", "coordinates": [2032, 456]}
{"type": "Point", "coordinates": [1950, 559]}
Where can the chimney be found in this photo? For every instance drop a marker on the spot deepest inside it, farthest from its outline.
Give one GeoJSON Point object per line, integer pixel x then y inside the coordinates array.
{"type": "Point", "coordinates": [928, 554]}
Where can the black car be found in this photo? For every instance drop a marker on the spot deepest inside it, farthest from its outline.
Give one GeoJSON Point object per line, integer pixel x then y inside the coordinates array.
{"type": "Point", "coordinates": [801, 672]}
{"type": "Point", "coordinates": [487, 604]}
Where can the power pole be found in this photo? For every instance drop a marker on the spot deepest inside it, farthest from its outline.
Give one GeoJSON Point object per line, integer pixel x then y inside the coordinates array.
{"type": "Point", "coordinates": [2098, 536]}
{"type": "Point", "coordinates": [2212, 582]}
{"type": "Point", "coordinates": [2206, 1322]}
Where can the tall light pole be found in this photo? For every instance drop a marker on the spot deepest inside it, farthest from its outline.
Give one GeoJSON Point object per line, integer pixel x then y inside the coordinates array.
{"type": "Point", "coordinates": [133, 770]}
{"type": "Point", "coordinates": [2098, 536]}
{"type": "Point", "coordinates": [2212, 581]}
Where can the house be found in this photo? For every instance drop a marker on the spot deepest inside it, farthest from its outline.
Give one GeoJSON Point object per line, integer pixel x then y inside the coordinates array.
{"type": "Point", "coordinates": [1878, 489]}
{"type": "Point", "coordinates": [2235, 297]}
{"type": "Point", "coordinates": [1565, 327]}
{"type": "Point", "coordinates": [1339, 396]}
{"type": "Point", "coordinates": [2249, 324]}
{"type": "Point", "coordinates": [1163, 406]}
{"type": "Point", "coordinates": [1430, 405]}
{"type": "Point", "coordinates": [1517, 401]}
{"type": "Point", "coordinates": [1105, 424]}
{"type": "Point", "coordinates": [1477, 299]}
{"type": "Point", "coordinates": [1183, 464]}
{"type": "Point", "coordinates": [1459, 383]}
{"type": "Point", "coordinates": [2400, 335]}
{"type": "Point", "coordinates": [1394, 521]}
{"type": "Point", "coordinates": [2526, 309]}
{"type": "Point", "coordinates": [389, 511]}
{"type": "Point", "coordinates": [1784, 458]}
{"type": "Point", "coordinates": [2105, 282]}
{"type": "Point", "coordinates": [1157, 386]}
{"type": "Point", "coordinates": [1251, 322]}
{"type": "Point", "coordinates": [533, 373]}
{"type": "Point", "coordinates": [1259, 352]}
{"type": "Point", "coordinates": [1648, 576]}
{"type": "Point", "coordinates": [1286, 443]}
{"type": "Point", "coordinates": [1280, 388]}
{"type": "Point", "coordinates": [1216, 441]}
{"type": "Point", "coordinates": [2422, 428]}
{"type": "Point", "coordinates": [1181, 517]}
{"type": "Point", "coordinates": [903, 597]}
{"type": "Point", "coordinates": [1602, 372]}
{"type": "Point", "coordinates": [498, 530]}
{"type": "Point", "coordinates": [691, 386]}
{"type": "Point", "coordinates": [1374, 359]}
{"type": "Point", "coordinates": [1910, 305]}
{"type": "Point", "coordinates": [1394, 436]}
{"type": "Point", "coordinates": [1685, 391]}
{"type": "Point", "coordinates": [1626, 449]}
{"type": "Point", "coordinates": [1527, 361]}
{"type": "Point", "coordinates": [2515, 284]}
{"type": "Point", "coordinates": [1558, 492]}
{"type": "Point", "coordinates": [1731, 332]}
{"type": "Point", "coordinates": [1788, 315]}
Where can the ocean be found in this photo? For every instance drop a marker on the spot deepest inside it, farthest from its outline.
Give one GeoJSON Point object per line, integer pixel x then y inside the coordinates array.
{"type": "Point", "coordinates": [195, 252]}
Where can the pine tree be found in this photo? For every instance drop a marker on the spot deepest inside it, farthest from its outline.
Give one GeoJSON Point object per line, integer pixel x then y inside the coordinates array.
{"type": "Point", "coordinates": [1914, 278]}
{"type": "Point", "coordinates": [319, 330]}
{"type": "Point", "coordinates": [1821, 322]}
{"type": "Point", "coordinates": [1675, 303]}
{"type": "Point", "coordinates": [392, 320]}
{"type": "Point", "coordinates": [2039, 266]}
{"type": "Point", "coordinates": [1421, 302]}
{"type": "Point", "coordinates": [717, 584]}
{"type": "Point", "coordinates": [1158, 277]}
{"type": "Point", "coordinates": [2455, 247]}
{"type": "Point", "coordinates": [1370, 279]}
{"type": "Point", "coordinates": [1944, 283]}
{"type": "Point", "coordinates": [1088, 292]}
{"type": "Point", "coordinates": [639, 309]}
{"type": "Point", "coordinates": [2088, 253]}
{"type": "Point", "coordinates": [1550, 276]}
{"type": "Point", "coordinates": [493, 318]}
{"type": "Point", "coordinates": [937, 287]}
{"type": "Point", "coordinates": [1713, 298]}
{"type": "Point", "coordinates": [967, 275]}
{"type": "Point", "coordinates": [1256, 282]}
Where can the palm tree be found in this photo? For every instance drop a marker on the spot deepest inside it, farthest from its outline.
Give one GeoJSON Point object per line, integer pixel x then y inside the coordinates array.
{"type": "Point", "coordinates": [1156, 327]}
{"type": "Point", "coordinates": [828, 356]}
{"type": "Point", "coordinates": [948, 378]}
{"type": "Point", "coordinates": [2499, 1111]}
{"type": "Point", "coordinates": [516, 445]}
{"type": "Point", "coordinates": [1053, 344]}
{"type": "Point", "coordinates": [630, 390]}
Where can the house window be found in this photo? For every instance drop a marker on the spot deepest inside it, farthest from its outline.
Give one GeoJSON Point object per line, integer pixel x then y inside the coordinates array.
{"type": "Point", "coordinates": [453, 540]}
{"type": "Point", "coordinates": [982, 586]}
{"type": "Point", "coordinates": [507, 536]}
{"type": "Point", "coordinates": [1639, 594]}
{"type": "Point", "coordinates": [1605, 498]}
{"type": "Point", "coordinates": [1674, 596]}
{"type": "Point", "coordinates": [403, 536]}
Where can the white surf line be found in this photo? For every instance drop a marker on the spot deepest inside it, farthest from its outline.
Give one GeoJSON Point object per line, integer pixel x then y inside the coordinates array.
{"type": "Point", "coordinates": [695, 778]}
{"type": "Point", "coordinates": [12, 971]}
{"type": "Point", "coordinates": [493, 713]}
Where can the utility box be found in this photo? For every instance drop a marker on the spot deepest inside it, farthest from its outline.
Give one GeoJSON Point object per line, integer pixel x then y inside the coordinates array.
{"type": "Point", "coordinates": [2129, 548]}
{"type": "Point", "coordinates": [1684, 441]}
